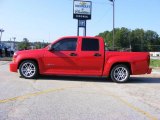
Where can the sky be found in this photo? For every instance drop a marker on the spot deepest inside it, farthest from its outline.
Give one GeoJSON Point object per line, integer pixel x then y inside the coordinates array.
{"type": "Point", "coordinates": [49, 20]}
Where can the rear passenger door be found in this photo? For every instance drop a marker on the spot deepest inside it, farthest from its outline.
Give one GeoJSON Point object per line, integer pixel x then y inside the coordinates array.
{"type": "Point", "coordinates": [91, 56]}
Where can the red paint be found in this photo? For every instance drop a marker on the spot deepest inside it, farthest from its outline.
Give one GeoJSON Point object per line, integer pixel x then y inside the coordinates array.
{"type": "Point", "coordinates": [84, 63]}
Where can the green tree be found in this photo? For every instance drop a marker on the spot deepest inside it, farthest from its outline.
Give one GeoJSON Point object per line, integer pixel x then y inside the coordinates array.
{"type": "Point", "coordinates": [122, 38]}
{"type": "Point", "coordinates": [38, 45]}
{"type": "Point", "coordinates": [24, 45]}
{"type": "Point", "coordinates": [138, 39]}
{"type": "Point", "coordinates": [151, 38]}
{"type": "Point", "coordinates": [107, 37]}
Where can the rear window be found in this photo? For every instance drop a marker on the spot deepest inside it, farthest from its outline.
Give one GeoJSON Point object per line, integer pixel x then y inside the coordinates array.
{"type": "Point", "coordinates": [90, 44]}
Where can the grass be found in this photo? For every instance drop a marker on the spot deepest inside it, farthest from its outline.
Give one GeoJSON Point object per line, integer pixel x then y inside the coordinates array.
{"type": "Point", "coordinates": [155, 63]}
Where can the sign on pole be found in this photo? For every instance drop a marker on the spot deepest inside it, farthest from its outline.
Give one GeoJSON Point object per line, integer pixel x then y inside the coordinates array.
{"type": "Point", "coordinates": [82, 10]}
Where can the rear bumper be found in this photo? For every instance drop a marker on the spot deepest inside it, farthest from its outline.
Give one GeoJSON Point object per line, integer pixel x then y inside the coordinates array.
{"type": "Point", "coordinates": [13, 67]}
{"type": "Point", "coordinates": [149, 71]}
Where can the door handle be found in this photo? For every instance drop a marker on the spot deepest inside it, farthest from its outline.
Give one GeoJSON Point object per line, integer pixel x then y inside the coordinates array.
{"type": "Point", "coordinates": [97, 54]}
{"type": "Point", "coordinates": [73, 54]}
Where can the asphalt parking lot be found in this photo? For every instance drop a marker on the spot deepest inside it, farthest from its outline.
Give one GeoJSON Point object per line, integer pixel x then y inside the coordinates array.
{"type": "Point", "coordinates": [78, 98]}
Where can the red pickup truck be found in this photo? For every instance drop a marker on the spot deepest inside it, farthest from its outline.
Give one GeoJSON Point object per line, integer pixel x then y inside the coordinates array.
{"type": "Point", "coordinates": [80, 56]}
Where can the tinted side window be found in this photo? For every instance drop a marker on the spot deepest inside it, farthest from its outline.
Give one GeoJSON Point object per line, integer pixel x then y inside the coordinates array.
{"type": "Point", "coordinates": [90, 44]}
{"type": "Point", "coordinates": [67, 44]}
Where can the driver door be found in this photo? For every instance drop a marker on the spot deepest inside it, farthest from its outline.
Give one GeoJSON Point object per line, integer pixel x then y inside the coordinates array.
{"type": "Point", "coordinates": [63, 57]}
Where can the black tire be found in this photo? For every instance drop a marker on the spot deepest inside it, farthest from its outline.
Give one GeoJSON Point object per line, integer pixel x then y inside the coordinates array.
{"type": "Point", "coordinates": [29, 69]}
{"type": "Point", "coordinates": [120, 73]}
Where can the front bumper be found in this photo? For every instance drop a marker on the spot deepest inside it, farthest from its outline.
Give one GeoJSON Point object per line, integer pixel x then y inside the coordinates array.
{"type": "Point", "coordinates": [149, 71]}
{"type": "Point", "coordinates": [13, 67]}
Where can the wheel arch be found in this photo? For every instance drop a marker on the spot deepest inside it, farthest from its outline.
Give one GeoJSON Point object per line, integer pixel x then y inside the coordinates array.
{"type": "Point", "coordinates": [122, 63]}
{"type": "Point", "coordinates": [34, 60]}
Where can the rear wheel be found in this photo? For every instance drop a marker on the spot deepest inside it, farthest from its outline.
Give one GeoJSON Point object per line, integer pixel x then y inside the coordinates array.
{"type": "Point", "coordinates": [120, 73]}
{"type": "Point", "coordinates": [28, 69]}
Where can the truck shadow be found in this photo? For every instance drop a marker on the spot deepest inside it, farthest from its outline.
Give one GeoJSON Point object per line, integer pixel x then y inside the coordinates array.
{"type": "Point", "coordinates": [74, 78]}
{"type": "Point", "coordinates": [133, 80]}
{"type": "Point", "coordinates": [144, 80]}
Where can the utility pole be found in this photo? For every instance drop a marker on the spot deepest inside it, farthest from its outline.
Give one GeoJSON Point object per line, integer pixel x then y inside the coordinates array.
{"type": "Point", "coordinates": [14, 38]}
{"type": "Point", "coordinates": [1, 31]}
{"type": "Point", "coordinates": [113, 1]}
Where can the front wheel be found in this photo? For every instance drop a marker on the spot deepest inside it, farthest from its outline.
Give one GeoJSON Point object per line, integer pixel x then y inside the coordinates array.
{"type": "Point", "coordinates": [120, 73]}
{"type": "Point", "coordinates": [28, 69]}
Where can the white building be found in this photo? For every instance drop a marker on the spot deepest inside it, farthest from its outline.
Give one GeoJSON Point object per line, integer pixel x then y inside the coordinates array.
{"type": "Point", "coordinates": [155, 54]}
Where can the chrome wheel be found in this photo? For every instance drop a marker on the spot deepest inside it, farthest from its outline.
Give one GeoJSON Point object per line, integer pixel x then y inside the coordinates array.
{"type": "Point", "coordinates": [120, 73]}
{"type": "Point", "coordinates": [28, 69]}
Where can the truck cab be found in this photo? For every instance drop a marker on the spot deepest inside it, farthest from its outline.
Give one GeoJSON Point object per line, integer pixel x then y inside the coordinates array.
{"type": "Point", "coordinates": [75, 56]}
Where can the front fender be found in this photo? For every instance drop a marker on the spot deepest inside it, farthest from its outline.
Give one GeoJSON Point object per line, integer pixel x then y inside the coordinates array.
{"type": "Point", "coordinates": [34, 57]}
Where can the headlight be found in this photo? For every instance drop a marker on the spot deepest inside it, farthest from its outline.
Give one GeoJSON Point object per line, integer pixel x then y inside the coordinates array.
{"type": "Point", "coordinates": [14, 56]}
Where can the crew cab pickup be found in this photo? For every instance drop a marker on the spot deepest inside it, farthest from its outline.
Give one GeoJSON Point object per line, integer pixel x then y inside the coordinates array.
{"type": "Point", "coordinates": [80, 56]}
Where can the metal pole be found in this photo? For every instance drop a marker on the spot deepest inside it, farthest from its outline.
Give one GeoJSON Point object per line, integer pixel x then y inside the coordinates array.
{"type": "Point", "coordinates": [130, 46]}
{"type": "Point", "coordinates": [84, 29]}
{"type": "Point", "coordinates": [113, 22]}
{"type": "Point", "coordinates": [1, 31]}
{"type": "Point", "coordinates": [78, 28]}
